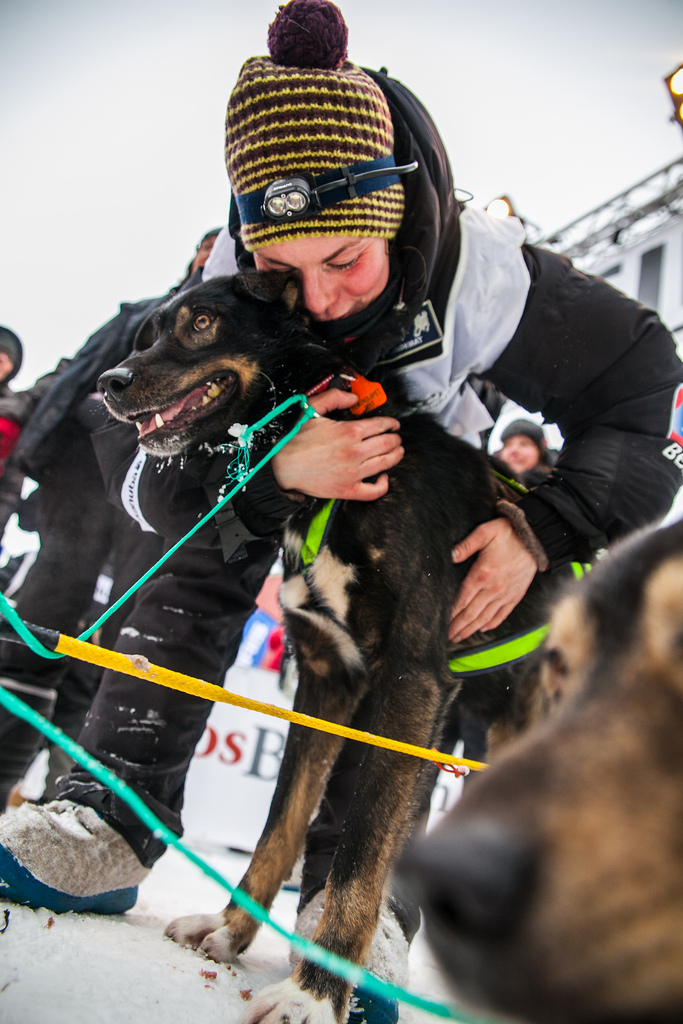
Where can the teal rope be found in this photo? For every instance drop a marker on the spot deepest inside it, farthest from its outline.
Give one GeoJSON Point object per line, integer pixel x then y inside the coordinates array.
{"type": "Point", "coordinates": [350, 972]}
{"type": "Point", "coordinates": [244, 474]}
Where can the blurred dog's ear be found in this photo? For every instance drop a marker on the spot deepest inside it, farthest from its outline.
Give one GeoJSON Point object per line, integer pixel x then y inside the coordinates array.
{"type": "Point", "coordinates": [147, 333]}
{"type": "Point", "coordinates": [268, 286]}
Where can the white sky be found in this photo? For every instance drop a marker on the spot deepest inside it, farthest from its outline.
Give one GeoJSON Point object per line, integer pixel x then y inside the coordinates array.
{"type": "Point", "coordinates": [111, 127]}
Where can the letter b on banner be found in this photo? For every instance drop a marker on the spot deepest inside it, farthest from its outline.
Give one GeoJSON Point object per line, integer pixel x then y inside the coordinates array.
{"type": "Point", "coordinates": [268, 750]}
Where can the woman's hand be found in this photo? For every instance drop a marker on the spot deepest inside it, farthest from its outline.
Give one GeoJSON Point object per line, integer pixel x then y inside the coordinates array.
{"type": "Point", "coordinates": [331, 458]}
{"type": "Point", "coordinates": [497, 581]}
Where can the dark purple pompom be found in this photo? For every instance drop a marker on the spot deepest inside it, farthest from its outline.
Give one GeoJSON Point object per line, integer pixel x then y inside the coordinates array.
{"type": "Point", "coordinates": [308, 34]}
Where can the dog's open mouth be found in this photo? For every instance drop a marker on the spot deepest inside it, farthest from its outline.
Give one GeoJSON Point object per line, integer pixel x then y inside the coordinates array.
{"type": "Point", "coordinates": [187, 409]}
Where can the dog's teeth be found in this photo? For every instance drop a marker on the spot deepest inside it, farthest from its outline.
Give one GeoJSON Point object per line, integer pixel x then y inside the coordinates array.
{"type": "Point", "coordinates": [138, 425]}
{"type": "Point", "coordinates": [214, 391]}
{"type": "Point", "coordinates": [205, 400]}
{"type": "Point", "coordinates": [158, 420]}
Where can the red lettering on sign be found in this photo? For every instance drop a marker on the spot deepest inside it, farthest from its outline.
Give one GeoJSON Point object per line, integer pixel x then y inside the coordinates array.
{"type": "Point", "coordinates": [233, 748]}
{"type": "Point", "coordinates": [211, 738]}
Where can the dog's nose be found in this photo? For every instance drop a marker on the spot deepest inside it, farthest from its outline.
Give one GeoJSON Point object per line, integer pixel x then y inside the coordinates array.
{"type": "Point", "coordinates": [475, 879]}
{"type": "Point", "coordinates": [114, 382]}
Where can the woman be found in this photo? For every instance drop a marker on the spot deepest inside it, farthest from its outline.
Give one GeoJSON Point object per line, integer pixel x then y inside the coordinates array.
{"type": "Point", "coordinates": [404, 278]}
{"type": "Point", "coordinates": [525, 451]}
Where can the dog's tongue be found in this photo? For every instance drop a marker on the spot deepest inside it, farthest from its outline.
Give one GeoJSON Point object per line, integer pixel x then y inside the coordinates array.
{"type": "Point", "coordinates": [188, 402]}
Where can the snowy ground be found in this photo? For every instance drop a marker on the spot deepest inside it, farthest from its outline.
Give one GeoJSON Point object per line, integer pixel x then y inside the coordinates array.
{"type": "Point", "coordinates": [89, 969]}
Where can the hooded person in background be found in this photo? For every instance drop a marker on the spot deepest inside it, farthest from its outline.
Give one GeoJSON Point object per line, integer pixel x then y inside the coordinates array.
{"type": "Point", "coordinates": [401, 277]}
{"type": "Point", "coordinates": [12, 414]}
{"type": "Point", "coordinates": [11, 357]}
{"type": "Point", "coordinates": [525, 450]}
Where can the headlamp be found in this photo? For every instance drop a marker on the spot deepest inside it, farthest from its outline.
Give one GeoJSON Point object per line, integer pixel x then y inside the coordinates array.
{"type": "Point", "coordinates": [304, 195]}
{"type": "Point", "coordinates": [287, 199]}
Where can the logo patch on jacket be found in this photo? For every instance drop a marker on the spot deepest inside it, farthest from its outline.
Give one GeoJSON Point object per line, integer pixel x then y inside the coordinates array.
{"type": "Point", "coordinates": [424, 341]}
{"type": "Point", "coordinates": [676, 422]}
{"type": "Point", "coordinates": [674, 451]}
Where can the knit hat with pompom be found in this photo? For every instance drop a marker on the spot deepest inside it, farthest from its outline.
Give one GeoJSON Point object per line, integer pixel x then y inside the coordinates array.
{"type": "Point", "coordinates": [307, 109]}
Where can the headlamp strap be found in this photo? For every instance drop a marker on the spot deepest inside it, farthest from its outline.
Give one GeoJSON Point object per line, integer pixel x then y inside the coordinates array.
{"type": "Point", "coordinates": [350, 179]}
{"type": "Point", "coordinates": [325, 189]}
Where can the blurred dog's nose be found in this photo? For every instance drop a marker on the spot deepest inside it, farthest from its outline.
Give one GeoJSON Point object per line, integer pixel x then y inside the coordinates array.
{"type": "Point", "coordinates": [114, 382]}
{"type": "Point", "coordinates": [474, 878]}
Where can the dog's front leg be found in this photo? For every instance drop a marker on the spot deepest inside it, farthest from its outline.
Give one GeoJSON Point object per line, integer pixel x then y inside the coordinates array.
{"type": "Point", "coordinates": [386, 799]}
{"type": "Point", "coordinates": [330, 686]}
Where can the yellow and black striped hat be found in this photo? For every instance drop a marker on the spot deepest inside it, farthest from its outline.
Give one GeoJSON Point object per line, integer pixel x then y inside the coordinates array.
{"type": "Point", "coordinates": [307, 117]}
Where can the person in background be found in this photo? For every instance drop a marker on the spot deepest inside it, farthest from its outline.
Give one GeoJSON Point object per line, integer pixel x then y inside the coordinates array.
{"type": "Point", "coordinates": [79, 530]}
{"type": "Point", "coordinates": [525, 450]}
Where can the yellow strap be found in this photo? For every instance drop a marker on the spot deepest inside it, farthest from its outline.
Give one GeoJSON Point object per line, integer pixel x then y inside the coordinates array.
{"type": "Point", "coordinates": [136, 665]}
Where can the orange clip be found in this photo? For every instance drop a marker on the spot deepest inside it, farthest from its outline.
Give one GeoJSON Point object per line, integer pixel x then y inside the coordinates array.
{"type": "Point", "coordinates": [369, 393]}
{"type": "Point", "coordinates": [459, 770]}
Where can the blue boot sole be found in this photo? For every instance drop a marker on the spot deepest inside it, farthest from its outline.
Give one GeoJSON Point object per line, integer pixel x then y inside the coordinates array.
{"type": "Point", "coordinates": [19, 885]}
{"type": "Point", "coordinates": [373, 1009]}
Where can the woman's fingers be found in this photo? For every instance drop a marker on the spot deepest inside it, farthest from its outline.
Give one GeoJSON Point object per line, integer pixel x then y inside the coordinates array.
{"type": "Point", "coordinates": [496, 583]}
{"type": "Point", "coordinates": [332, 458]}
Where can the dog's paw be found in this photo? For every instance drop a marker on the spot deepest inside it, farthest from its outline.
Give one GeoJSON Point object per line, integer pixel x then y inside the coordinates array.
{"type": "Point", "coordinates": [286, 1003]}
{"type": "Point", "coordinates": [222, 945]}
{"type": "Point", "coordinates": [191, 931]}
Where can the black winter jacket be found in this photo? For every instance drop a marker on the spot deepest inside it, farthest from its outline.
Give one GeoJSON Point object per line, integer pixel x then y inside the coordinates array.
{"type": "Point", "coordinates": [54, 396]}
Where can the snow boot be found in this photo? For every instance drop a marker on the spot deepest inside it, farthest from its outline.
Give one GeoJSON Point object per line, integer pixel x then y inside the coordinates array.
{"type": "Point", "coordinates": [368, 1009]}
{"type": "Point", "coordinates": [19, 741]}
{"type": "Point", "coordinates": [63, 856]}
{"type": "Point", "coordinates": [388, 960]}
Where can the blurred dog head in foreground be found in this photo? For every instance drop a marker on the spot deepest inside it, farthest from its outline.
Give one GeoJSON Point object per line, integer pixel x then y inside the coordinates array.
{"type": "Point", "coordinates": [554, 892]}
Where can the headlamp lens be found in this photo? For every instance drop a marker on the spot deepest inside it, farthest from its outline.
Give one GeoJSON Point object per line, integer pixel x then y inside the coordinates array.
{"type": "Point", "coordinates": [296, 202]}
{"type": "Point", "coordinates": [276, 206]}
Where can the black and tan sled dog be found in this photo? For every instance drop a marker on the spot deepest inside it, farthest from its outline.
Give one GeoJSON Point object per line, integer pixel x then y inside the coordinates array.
{"type": "Point", "coordinates": [554, 891]}
{"type": "Point", "coordinates": [368, 620]}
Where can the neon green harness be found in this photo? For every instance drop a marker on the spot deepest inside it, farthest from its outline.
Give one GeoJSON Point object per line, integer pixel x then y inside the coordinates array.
{"type": "Point", "coordinates": [496, 655]}
{"type": "Point", "coordinates": [482, 659]}
{"type": "Point", "coordinates": [313, 540]}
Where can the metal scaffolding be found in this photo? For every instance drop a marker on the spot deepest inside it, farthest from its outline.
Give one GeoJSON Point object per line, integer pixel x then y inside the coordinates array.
{"type": "Point", "coordinates": [624, 220]}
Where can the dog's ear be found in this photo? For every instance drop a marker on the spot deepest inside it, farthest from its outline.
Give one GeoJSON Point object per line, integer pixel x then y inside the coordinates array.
{"type": "Point", "coordinates": [268, 286]}
{"type": "Point", "coordinates": [147, 333]}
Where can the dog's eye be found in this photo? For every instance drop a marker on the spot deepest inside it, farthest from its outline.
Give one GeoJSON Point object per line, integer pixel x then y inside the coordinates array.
{"type": "Point", "coordinates": [201, 322]}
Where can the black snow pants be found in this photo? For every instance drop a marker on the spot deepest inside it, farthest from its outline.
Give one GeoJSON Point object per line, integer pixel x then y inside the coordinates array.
{"type": "Point", "coordinates": [80, 531]}
{"type": "Point", "coordinates": [189, 619]}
